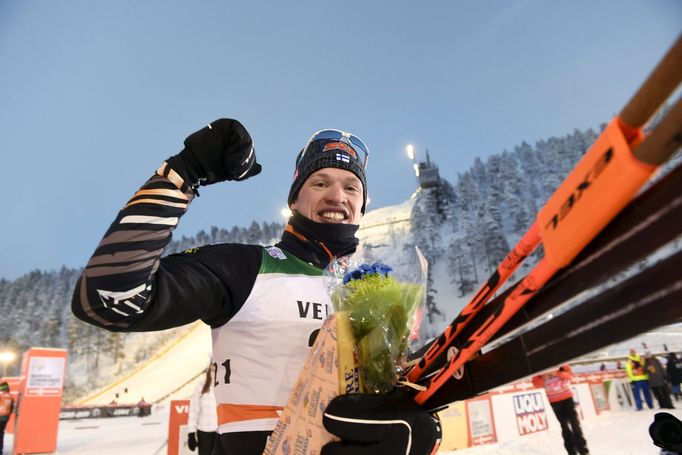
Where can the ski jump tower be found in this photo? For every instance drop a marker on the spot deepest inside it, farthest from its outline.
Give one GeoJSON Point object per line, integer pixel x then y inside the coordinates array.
{"type": "Point", "coordinates": [427, 173]}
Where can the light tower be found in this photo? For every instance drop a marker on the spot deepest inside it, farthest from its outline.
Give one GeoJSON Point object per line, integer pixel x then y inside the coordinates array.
{"type": "Point", "coordinates": [411, 155]}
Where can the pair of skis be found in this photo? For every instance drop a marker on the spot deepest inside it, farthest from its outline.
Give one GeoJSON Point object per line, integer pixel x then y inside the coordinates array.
{"type": "Point", "coordinates": [604, 181]}
{"type": "Point", "coordinates": [623, 300]}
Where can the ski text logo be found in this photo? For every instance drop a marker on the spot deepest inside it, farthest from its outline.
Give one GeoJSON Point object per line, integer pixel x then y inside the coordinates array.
{"type": "Point", "coordinates": [530, 413]}
{"type": "Point", "coordinates": [575, 196]}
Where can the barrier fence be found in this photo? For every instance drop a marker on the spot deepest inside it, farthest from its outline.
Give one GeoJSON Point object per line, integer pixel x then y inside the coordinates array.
{"type": "Point", "coordinates": [519, 409]}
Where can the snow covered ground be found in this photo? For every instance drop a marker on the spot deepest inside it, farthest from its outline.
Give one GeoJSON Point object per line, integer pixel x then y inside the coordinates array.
{"type": "Point", "coordinates": [623, 433]}
{"type": "Point", "coordinates": [112, 436]}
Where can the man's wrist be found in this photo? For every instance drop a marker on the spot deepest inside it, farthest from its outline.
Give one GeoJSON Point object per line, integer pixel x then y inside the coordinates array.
{"type": "Point", "coordinates": [172, 170]}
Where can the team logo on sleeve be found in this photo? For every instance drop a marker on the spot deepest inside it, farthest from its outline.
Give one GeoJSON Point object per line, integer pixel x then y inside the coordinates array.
{"type": "Point", "coordinates": [276, 253]}
{"type": "Point", "coordinates": [125, 303]}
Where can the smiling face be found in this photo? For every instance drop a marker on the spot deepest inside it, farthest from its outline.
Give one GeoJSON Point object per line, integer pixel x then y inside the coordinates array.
{"type": "Point", "coordinates": [331, 195]}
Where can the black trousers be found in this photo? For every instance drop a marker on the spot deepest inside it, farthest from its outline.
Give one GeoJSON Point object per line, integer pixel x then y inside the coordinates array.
{"type": "Point", "coordinates": [3, 424]}
{"type": "Point", "coordinates": [574, 442]}
{"type": "Point", "coordinates": [663, 397]}
{"type": "Point", "coordinates": [243, 443]}
{"type": "Point", "coordinates": [206, 441]}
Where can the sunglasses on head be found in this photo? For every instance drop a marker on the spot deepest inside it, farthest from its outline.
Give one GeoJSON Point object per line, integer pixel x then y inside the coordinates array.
{"type": "Point", "coordinates": [339, 140]}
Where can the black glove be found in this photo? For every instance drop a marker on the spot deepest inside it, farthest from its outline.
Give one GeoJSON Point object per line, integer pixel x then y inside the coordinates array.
{"type": "Point", "coordinates": [223, 150]}
{"type": "Point", "coordinates": [192, 441]}
{"type": "Point", "coordinates": [380, 424]}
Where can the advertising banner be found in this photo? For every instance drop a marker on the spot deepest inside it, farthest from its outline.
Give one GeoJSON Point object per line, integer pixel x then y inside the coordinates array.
{"type": "Point", "coordinates": [177, 427]}
{"type": "Point", "coordinates": [601, 402]}
{"type": "Point", "coordinates": [42, 372]}
{"type": "Point", "coordinates": [453, 421]}
{"type": "Point", "coordinates": [481, 423]}
{"type": "Point", "coordinates": [530, 413]}
{"type": "Point", "coordinates": [95, 412]}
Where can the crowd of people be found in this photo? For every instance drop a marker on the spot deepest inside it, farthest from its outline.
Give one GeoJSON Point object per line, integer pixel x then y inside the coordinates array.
{"type": "Point", "coordinates": [648, 376]}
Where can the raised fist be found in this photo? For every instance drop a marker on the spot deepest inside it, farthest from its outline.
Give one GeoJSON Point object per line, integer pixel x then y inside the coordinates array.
{"type": "Point", "coordinates": [221, 151]}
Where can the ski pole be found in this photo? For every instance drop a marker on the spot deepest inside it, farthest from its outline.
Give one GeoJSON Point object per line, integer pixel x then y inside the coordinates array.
{"type": "Point", "coordinates": [626, 130]}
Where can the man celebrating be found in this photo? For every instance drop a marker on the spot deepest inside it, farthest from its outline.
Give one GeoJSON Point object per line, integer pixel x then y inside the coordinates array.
{"type": "Point", "coordinates": [248, 294]}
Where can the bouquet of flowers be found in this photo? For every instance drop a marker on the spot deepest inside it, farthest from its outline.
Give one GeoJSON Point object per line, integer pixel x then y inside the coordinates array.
{"type": "Point", "coordinates": [358, 349]}
{"type": "Point", "coordinates": [378, 313]}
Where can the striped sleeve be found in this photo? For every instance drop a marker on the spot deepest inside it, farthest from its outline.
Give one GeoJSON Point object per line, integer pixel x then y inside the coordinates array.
{"type": "Point", "coordinates": [117, 286]}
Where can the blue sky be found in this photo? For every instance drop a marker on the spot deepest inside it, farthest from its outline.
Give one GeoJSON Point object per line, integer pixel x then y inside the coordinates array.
{"type": "Point", "coordinates": [95, 94]}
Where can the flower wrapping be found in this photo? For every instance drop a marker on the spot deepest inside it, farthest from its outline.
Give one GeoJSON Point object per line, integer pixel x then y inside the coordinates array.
{"type": "Point", "coordinates": [378, 313]}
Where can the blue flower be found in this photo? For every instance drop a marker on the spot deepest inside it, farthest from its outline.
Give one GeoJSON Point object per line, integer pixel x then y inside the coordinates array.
{"type": "Point", "coordinates": [365, 270]}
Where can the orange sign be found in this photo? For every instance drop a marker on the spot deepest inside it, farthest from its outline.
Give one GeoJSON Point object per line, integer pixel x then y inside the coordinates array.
{"type": "Point", "coordinates": [179, 415]}
{"type": "Point", "coordinates": [42, 374]}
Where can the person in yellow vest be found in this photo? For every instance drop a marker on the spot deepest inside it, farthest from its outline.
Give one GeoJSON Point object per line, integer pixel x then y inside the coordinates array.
{"type": "Point", "coordinates": [557, 385]}
{"type": "Point", "coordinates": [6, 408]}
{"type": "Point", "coordinates": [639, 380]}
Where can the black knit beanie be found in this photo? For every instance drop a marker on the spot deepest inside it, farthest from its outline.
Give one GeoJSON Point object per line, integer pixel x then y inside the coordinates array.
{"type": "Point", "coordinates": [319, 154]}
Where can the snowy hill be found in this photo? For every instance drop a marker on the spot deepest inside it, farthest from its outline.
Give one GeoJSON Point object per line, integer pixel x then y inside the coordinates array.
{"type": "Point", "coordinates": [169, 374]}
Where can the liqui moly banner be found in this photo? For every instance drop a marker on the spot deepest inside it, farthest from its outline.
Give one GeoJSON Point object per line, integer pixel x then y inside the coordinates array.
{"type": "Point", "coordinates": [530, 412]}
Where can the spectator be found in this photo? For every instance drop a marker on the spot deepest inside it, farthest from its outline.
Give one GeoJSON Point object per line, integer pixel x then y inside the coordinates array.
{"type": "Point", "coordinates": [202, 425]}
{"type": "Point", "coordinates": [6, 409]}
{"type": "Point", "coordinates": [674, 374]}
{"type": "Point", "coordinates": [639, 380]}
{"type": "Point", "coordinates": [143, 408]}
{"type": "Point", "coordinates": [656, 374]}
{"type": "Point", "coordinates": [557, 386]}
